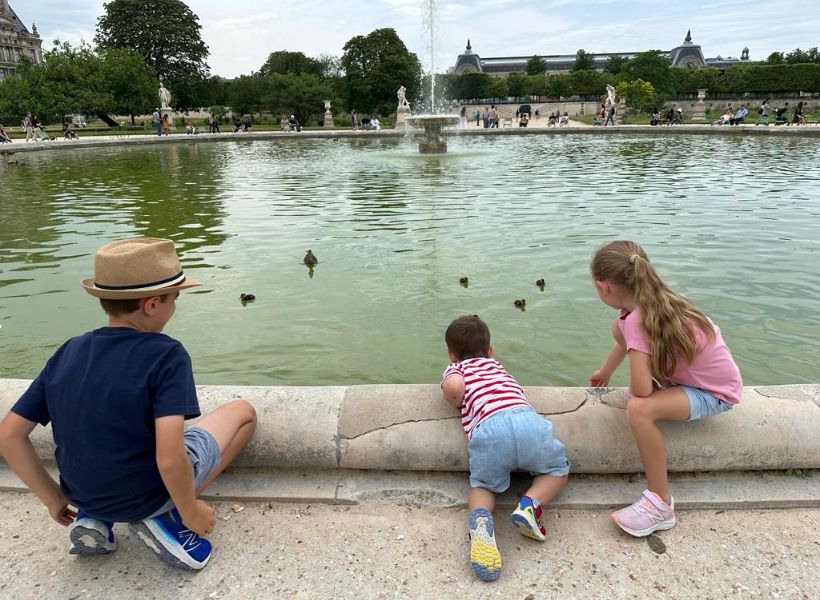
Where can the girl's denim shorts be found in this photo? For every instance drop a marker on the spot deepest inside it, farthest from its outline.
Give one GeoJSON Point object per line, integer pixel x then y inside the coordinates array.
{"type": "Point", "coordinates": [514, 439]}
{"type": "Point", "coordinates": [702, 404]}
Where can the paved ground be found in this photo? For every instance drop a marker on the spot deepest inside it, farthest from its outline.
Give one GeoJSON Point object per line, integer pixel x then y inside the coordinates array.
{"type": "Point", "coordinates": [395, 551]}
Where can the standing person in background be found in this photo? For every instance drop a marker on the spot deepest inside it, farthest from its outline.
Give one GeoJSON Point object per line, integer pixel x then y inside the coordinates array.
{"type": "Point", "coordinates": [156, 121]}
{"type": "Point", "coordinates": [763, 113]}
{"type": "Point", "coordinates": [28, 127]}
{"type": "Point", "coordinates": [166, 124]}
{"type": "Point", "coordinates": [462, 124]}
{"type": "Point", "coordinates": [354, 122]}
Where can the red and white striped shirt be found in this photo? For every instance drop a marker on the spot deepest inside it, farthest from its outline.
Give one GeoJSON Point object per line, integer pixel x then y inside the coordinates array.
{"type": "Point", "coordinates": [488, 388]}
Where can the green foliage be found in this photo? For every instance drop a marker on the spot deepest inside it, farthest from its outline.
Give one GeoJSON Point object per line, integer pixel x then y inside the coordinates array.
{"type": "Point", "coordinates": [652, 66]}
{"type": "Point", "coordinates": [588, 83]}
{"type": "Point", "coordinates": [497, 88]}
{"type": "Point", "coordinates": [583, 61]}
{"type": "Point", "coordinates": [515, 84]}
{"type": "Point", "coordinates": [131, 83]}
{"type": "Point", "coordinates": [375, 66]}
{"type": "Point", "coordinates": [166, 33]}
{"type": "Point", "coordinates": [559, 86]}
{"type": "Point", "coordinates": [638, 95]}
{"type": "Point", "coordinates": [284, 62]}
{"type": "Point", "coordinates": [245, 94]}
{"type": "Point", "coordinates": [776, 58]}
{"type": "Point", "coordinates": [799, 57]}
{"type": "Point", "coordinates": [301, 95]}
{"type": "Point", "coordinates": [615, 64]}
{"type": "Point", "coordinates": [536, 65]}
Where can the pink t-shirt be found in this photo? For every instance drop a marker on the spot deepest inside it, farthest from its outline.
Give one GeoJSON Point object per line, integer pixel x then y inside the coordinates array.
{"type": "Point", "coordinates": [488, 389]}
{"type": "Point", "coordinates": [713, 369]}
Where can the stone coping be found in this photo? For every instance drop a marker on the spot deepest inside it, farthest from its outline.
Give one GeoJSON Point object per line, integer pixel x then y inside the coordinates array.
{"type": "Point", "coordinates": [412, 428]}
{"type": "Point", "coordinates": [19, 146]}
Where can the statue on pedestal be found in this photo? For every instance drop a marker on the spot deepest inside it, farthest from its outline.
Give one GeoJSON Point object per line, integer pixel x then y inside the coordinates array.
{"type": "Point", "coordinates": [610, 95]}
{"type": "Point", "coordinates": [402, 96]}
{"type": "Point", "coordinates": [164, 97]}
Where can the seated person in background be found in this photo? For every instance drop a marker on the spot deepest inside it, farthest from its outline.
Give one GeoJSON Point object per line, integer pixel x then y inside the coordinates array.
{"type": "Point", "coordinates": [596, 121]}
{"type": "Point", "coordinates": [4, 138]}
{"type": "Point", "coordinates": [374, 124]}
{"type": "Point", "coordinates": [656, 118]}
{"type": "Point", "coordinates": [294, 124]}
{"type": "Point", "coordinates": [740, 115]}
{"type": "Point", "coordinates": [191, 129]}
{"type": "Point", "coordinates": [248, 125]}
{"type": "Point", "coordinates": [237, 125]}
{"type": "Point", "coordinates": [523, 121]}
{"type": "Point", "coordinates": [670, 116]}
{"type": "Point", "coordinates": [679, 115]}
{"type": "Point", "coordinates": [366, 123]}
{"type": "Point", "coordinates": [68, 133]}
{"type": "Point", "coordinates": [564, 120]}
{"type": "Point", "coordinates": [780, 114]}
{"type": "Point", "coordinates": [552, 120]}
{"type": "Point", "coordinates": [798, 117]}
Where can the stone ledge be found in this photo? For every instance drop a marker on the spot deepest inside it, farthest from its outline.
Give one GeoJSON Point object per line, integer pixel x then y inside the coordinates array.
{"type": "Point", "coordinates": [411, 428]}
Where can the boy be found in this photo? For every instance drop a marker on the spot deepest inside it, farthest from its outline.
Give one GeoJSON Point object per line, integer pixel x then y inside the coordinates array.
{"type": "Point", "coordinates": [117, 398]}
{"type": "Point", "coordinates": [504, 433]}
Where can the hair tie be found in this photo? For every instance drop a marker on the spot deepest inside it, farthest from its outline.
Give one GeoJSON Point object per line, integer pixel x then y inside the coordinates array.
{"type": "Point", "coordinates": [633, 258]}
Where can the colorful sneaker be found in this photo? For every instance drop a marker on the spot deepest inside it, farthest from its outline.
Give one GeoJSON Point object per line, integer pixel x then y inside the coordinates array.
{"type": "Point", "coordinates": [527, 518]}
{"type": "Point", "coordinates": [87, 535]}
{"type": "Point", "coordinates": [484, 556]}
{"type": "Point", "coordinates": [175, 544]}
{"type": "Point", "coordinates": [647, 515]}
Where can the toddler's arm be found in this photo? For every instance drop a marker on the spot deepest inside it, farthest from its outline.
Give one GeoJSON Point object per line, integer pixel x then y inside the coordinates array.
{"type": "Point", "coordinates": [178, 475]}
{"type": "Point", "coordinates": [17, 449]}
{"type": "Point", "coordinates": [453, 389]}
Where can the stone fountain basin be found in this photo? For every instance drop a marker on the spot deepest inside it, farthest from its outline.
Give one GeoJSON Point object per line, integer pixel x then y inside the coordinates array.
{"type": "Point", "coordinates": [433, 121]}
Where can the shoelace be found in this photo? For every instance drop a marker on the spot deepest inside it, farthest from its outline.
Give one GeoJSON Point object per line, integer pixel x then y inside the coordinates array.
{"type": "Point", "coordinates": [645, 507]}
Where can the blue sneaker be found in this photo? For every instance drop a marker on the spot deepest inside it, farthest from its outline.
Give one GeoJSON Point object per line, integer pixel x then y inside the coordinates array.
{"type": "Point", "coordinates": [88, 535]}
{"type": "Point", "coordinates": [484, 556]}
{"type": "Point", "coordinates": [175, 544]}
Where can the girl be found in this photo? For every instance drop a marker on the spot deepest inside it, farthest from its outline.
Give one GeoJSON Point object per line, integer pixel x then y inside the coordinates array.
{"type": "Point", "coordinates": [166, 125]}
{"type": "Point", "coordinates": [679, 369]}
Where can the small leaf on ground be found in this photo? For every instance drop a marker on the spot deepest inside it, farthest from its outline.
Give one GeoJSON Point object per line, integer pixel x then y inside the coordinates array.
{"type": "Point", "coordinates": [656, 544]}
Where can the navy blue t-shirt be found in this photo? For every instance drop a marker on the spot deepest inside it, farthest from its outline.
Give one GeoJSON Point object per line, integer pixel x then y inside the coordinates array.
{"type": "Point", "coordinates": [102, 391]}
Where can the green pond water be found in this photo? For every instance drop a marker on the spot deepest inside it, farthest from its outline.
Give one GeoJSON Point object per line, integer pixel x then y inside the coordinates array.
{"type": "Point", "coordinates": [732, 222]}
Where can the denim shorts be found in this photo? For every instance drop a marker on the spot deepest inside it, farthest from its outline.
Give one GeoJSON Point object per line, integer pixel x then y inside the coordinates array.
{"type": "Point", "coordinates": [203, 452]}
{"type": "Point", "coordinates": [514, 439]}
{"type": "Point", "coordinates": [702, 404]}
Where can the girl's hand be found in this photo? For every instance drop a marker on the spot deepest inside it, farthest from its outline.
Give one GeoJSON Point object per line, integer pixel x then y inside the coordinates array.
{"type": "Point", "coordinates": [60, 512]}
{"type": "Point", "coordinates": [599, 378]}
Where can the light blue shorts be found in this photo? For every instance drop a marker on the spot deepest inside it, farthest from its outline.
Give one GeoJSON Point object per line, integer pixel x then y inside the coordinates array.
{"type": "Point", "coordinates": [702, 404]}
{"type": "Point", "coordinates": [203, 452]}
{"type": "Point", "coordinates": [514, 439]}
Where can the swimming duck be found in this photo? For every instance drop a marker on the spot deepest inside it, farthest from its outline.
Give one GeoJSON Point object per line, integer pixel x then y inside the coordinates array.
{"type": "Point", "coordinates": [540, 283]}
{"type": "Point", "coordinates": [243, 298]}
{"type": "Point", "coordinates": [520, 303]}
{"type": "Point", "coordinates": [310, 259]}
{"type": "Point", "coordinates": [464, 281]}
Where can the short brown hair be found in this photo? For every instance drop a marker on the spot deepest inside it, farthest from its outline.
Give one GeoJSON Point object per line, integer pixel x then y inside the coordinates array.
{"type": "Point", "coordinates": [118, 308]}
{"type": "Point", "coordinates": [468, 337]}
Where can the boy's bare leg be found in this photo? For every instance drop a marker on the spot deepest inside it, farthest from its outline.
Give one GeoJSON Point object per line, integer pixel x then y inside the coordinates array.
{"type": "Point", "coordinates": [481, 498]}
{"type": "Point", "coordinates": [232, 426]}
{"type": "Point", "coordinates": [545, 487]}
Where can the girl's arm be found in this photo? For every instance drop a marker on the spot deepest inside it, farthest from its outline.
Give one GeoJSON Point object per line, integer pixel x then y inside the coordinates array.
{"type": "Point", "coordinates": [453, 389]}
{"type": "Point", "coordinates": [640, 374]}
{"type": "Point", "coordinates": [600, 378]}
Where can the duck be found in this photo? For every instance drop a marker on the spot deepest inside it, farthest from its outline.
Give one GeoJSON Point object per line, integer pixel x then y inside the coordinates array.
{"type": "Point", "coordinates": [464, 281]}
{"type": "Point", "coordinates": [540, 283]}
{"type": "Point", "coordinates": [310, 259]}
{"type": "Point", "coordinates": [243, 298]}
{"type": "Point", "coordinates": [520, 303]}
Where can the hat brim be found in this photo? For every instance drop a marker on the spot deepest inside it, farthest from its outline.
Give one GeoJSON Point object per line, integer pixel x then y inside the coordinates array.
{"type": "Point", "coordinates": [88, 286]}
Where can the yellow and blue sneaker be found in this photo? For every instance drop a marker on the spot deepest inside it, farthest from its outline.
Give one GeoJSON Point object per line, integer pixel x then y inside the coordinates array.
{"type": "Point", "coordinates": [484, 556]}
{"type": "Point", "coordinates": [527, 518]}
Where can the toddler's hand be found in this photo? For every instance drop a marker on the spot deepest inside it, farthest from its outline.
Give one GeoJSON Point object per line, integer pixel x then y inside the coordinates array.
{"type": "Point", "coordinates": [200, 519]}
{"type": "Point", "coordinates": [599, 379]}
{"type": "Point", "coordinates": [60, 512]}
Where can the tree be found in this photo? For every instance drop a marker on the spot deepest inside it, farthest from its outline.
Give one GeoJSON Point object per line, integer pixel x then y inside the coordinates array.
{"type": "Point", "coordinates": [284, 62]}
{"type": "Point", "coordinates": [375, 66]}
{"type": "Point", "coordinates": [798, 56]}
{"type": "Point", "coordinates": [515, 84]}
{"type": "Point", "coordinates": [775, 58]}
{"type": "Point", "coordinates": [131, 83]}
{"type": "Point", "coordinates": [167, 35]}
{"type": "Point", "coordinates": [69, 81]}
{"type": "Point", "coordinates": [615, 64]}
{"type": "Point", "coordinates": [559, 86]}
{"type": "Point", "coordinates": [301, 95]}
{"type": "Point", "coordinates": [652, 66]}
{"type": "Point", "coordinates": [536, 65]}
{"type": "Point", "coordinates": [245, 94]}
{"type": "Point", "coordinates": [638, 95]}
{"type": "Point", "coordinates": [583, 61]}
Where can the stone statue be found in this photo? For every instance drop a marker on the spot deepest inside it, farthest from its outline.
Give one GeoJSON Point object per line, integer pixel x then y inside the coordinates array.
{"type": "Point", "coordinates": [402, 96]}
{"type": "Point", "coordinates": [164, 97]}
{"type": "Point", "coordinates": [610, 95]}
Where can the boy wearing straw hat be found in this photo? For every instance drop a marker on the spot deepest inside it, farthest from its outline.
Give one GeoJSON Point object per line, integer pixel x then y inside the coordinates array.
{"type": "Point", "coordinates": [117, 398]}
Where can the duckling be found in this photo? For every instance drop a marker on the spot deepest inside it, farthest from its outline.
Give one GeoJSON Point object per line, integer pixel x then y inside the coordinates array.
{"type": "Point", "coordinates": [540, 283]}
{"type": "Point", "coordinates": [243, 298]}
{"type": "Point", "coordinates": [310, 259]}
{"type": "Point", "coordinates": [464, 281]}
{"type": "Point", "coordinates": [520, 303]}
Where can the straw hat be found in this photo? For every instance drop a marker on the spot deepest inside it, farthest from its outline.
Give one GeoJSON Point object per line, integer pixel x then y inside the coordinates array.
{"type": "Point", "coordinates": [137, 268]}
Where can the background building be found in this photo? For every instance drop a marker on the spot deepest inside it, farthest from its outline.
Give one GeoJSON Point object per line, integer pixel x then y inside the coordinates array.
{"type": "Point", "coordinates": [688, 54]}
{"type": "Point", "coordinates": [16, 41]}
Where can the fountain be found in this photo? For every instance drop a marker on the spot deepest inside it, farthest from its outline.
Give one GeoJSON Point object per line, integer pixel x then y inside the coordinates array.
{"type": "Point", "coordinates": [432, 141]}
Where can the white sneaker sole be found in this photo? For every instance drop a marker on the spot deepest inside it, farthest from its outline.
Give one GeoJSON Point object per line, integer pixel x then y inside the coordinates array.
{"type": "Point", "coordinates": [89, 537]}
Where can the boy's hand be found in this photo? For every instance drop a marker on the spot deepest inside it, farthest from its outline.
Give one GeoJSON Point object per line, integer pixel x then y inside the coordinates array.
{"type": "Point", "coordinates": [599, 378]}
{"type": "Point", "coordinates": [200, 518]}
{"type": "Point", "coordinates": [60, 512]}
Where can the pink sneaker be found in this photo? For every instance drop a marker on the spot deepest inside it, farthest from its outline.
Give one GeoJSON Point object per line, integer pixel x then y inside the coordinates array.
{"type": "Point", "coordinates": [647, 515]}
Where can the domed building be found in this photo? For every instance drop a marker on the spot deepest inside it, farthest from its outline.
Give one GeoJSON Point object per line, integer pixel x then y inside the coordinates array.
{"type": "Point", "coordinates": [688, 54]}
{"type": "Point", "coordinates": [16, 41]}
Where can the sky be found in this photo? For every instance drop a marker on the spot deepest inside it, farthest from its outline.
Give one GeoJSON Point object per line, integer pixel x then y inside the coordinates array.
{"type": "Point", "coordinates": [241, 33]}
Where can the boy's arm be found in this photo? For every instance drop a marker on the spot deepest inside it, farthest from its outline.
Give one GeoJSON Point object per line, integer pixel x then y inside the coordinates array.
{"type": "Point", "coordinates": [178, 475]}
{"type": "Point", "coordinates": [453, 389]}
{"type": "Point", "coordinates": [17, 449]}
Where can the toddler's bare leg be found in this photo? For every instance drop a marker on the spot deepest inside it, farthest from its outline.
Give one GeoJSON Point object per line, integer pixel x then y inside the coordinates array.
{"type": "Point", "coordinates": [545, 487]}
{"type": "Point", "coordinates": [232, 426]}
{"type": "Point", "coordinates": [481, 498]}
